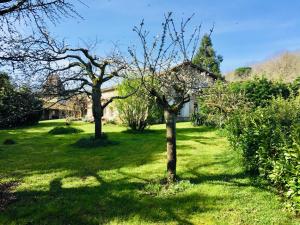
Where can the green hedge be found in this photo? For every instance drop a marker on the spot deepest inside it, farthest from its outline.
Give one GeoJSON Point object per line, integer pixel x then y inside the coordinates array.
{"type": "Point", "coordinates": [269, 139]}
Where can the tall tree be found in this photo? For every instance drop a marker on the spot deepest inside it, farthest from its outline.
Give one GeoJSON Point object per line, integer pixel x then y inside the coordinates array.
{"type": "Point", "coordinates": [164, 63]}
{"type": "Point", "coordinates": [206, 56]}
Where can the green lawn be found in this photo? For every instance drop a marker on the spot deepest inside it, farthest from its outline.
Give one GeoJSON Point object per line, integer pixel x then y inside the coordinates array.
{"type": "Point", "coordinates": [64, 184]}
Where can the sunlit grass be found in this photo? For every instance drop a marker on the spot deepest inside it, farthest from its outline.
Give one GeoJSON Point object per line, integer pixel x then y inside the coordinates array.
{"type": "Point", "coordinates": [64, 184]}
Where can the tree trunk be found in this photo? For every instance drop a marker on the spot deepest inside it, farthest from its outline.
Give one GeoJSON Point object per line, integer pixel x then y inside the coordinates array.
{"type": "Point", "coordinates": [97, 110]}
{"type": "Point", "coordinates": [170, 118]}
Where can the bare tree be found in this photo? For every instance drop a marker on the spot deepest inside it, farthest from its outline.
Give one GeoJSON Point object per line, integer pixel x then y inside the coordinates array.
{"type": "Point", "coordinates": [79, 70]}
{"type": "Point", "coordinates": [31, 15]}
{"type": "Point", "coordinates": [18, 12]}
{"type": "Point", "coordinates": [165, 64]}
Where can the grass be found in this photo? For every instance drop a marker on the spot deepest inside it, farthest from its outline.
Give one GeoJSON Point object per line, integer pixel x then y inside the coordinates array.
{"type": "Point", "coordinates": [59, 183]}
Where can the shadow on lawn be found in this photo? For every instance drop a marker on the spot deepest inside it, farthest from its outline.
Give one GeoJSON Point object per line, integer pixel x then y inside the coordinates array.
{"type": "Point", "coordinates": [118, 200]}
{"type": "Point", "coordinates": [44, 153]}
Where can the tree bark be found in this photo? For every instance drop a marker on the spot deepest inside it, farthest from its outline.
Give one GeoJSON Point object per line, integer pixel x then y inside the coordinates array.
{"type": "Point", "coordinates": [97, 110]}
{"type": "Point", "coordinates": [170, 118]}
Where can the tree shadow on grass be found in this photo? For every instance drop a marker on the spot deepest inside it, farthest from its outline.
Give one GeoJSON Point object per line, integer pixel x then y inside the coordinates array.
{"type": "Point", "coordinates": [44, 153]}
{"type": "Point", "coordinates": [118, 200]}
{"type": "Point", "coordinates": [108, 201]}
{"type": "Point", "coordinates": [238, 179]}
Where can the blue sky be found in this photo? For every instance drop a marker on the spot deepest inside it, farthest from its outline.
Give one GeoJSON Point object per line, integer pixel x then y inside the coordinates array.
{"type": "Point", "coordinates": [245, 31]}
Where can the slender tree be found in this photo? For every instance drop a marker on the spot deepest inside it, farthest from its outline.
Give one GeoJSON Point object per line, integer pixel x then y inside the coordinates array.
{"type": "Point", "coordinates": [206, 56]}
{"type": "Point", "coordinates": [164, 63]}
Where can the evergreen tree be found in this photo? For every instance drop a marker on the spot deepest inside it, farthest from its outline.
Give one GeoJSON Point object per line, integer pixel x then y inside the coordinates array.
{"type": "Point", "coordinates": [18, 106]}
{"type": "Point", "coordinates": [206, 56]}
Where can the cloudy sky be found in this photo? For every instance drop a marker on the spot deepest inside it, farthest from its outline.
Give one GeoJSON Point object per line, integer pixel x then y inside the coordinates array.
{"type": "Point", "coordinates": [245, 31]}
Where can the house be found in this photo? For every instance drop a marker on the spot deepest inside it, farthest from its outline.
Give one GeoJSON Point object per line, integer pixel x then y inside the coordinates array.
{"type": "Point", "coordinates": [57, 107]}
{"type": "Point", "coordinates": [81, 106]}
{"type": "Point", "coordinates": [110, 113]}
{"type": "Point", "coordinates": [207, 78]}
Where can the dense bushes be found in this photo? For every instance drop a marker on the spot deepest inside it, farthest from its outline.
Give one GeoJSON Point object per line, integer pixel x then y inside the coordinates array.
{"type": "Point", "coordinates": [269, 139]}
{"type": "Point", "coordinates": [262, 119]}
{"type": "Point", "coordinates": [260, 90]}
{"type": "Point", "coordinates": [218, 103]}
{"type": "Point", "coordinates": [18, 106]}
{"type": "Point", "coordinates": [139, 110]}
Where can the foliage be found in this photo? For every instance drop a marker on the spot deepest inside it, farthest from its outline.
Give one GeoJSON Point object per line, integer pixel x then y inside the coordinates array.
{"type": "Point", "coordinates": [18, 106]}
{"type": "Point", "coordinates": [138, 110]}
{"type": "Point", "coordinates": [206, 56]}
{"type": "Point", "coordinates": [261, 90]}
{"type": "Point", "coordinates": [91, 142]}
{"type": "Point", "coordinates": [295, 86]}
{"type": "Point", "coordinates": [197, 118]}
{"type": "Point", "coordinates": [269, 139]}
{"type": "Point", "coordinates": [219, 102]}
{"type": "Point", "coordinates": [65, 130]}
{"type": "Point", "coordinates": [243, 72]}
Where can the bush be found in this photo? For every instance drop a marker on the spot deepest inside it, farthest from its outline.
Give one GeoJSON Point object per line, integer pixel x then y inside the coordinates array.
{"type": "Point", "coordinates": [65, 130]}
{"type": "Point", "coordinates": [269, 139]}
{"type": "Point", "coordinates": [218, 103]}
{"type": "Point", "coordinates": [9, 142]}
{"type": "Point", "coordinates": [198, 119]}
{"type": "Point", "coordinates": [261, 91]}
{"type": "Point", "coordinates": [243, 72]}
{"type": "Point", "coordinates": [91, 142]}
{"type": "Point", "coordinates": [139, 110]}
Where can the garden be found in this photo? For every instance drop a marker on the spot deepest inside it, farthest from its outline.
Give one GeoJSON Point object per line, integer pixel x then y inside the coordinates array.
{"type": "Point", "coordinates": [57, 183]}
{"type": "Point", "coordinates": [149, 129]}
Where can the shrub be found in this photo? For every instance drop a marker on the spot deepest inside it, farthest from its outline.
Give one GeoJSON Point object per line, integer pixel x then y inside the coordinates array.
{"type": "Point", "coordinates": [198, 119]}
{"type": "Point", "coordinates": [91, 142]}
{"type": "Point", "coordinates": [261, 91]}
{"type": "Point", "coordinates": [218, 103]}
{"type": "Point", "coordinates": [295, 86]}
{"type": "Point", "coordinates": [65, 130]}
{"type": "Point", "coordinates": [9, 142]}
{"type": "Point", "coordinates": [243, 72]}
{"type": "Point", "coordinates": [269, 139]}
{"type": "Point", "coordinates": [139, 110]}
